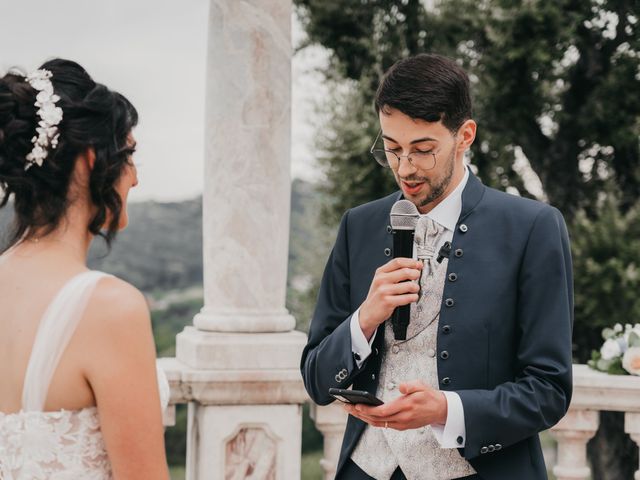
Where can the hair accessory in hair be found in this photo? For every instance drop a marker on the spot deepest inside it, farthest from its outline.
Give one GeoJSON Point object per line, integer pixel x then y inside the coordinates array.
{"type": "Point", "coordinates": [50, 117]}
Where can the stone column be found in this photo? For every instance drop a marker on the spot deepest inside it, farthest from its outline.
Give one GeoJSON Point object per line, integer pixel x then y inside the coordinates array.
{"type": "Point", "coordinates": [632, 427]}
{"type": "Point", "coordinates": [247, 162]}
{"type": "Point", "coordinates": [572, 433]}
{"type": "Point", "coordinates": [241, 357]}
{"type": "Point", "coordinates": [331, 420]}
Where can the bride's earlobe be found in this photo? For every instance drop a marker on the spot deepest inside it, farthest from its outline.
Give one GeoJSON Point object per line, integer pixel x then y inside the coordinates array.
{"type": "Point", "coordinates": [89, 156]}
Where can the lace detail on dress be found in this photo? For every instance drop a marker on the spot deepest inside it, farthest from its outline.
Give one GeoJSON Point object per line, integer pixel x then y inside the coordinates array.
{"type": "Point", "coordinates": [64, 445]}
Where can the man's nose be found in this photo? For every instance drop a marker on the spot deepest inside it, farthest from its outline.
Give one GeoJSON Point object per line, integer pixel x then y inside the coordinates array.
{"type": "Point", "coordinates": [405, 168]}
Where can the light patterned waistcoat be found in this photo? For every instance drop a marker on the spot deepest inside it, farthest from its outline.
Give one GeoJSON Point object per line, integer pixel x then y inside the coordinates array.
{"type": "Point", "coordinates": [417, 452]}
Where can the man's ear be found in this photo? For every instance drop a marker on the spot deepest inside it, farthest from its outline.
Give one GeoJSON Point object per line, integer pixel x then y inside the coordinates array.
{"type": "Point", "coordinates": [467, 134]}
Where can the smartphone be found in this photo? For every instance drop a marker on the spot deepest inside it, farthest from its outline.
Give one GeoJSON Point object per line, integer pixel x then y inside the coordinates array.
{"type": "Point", "coordinates": [355, 396]}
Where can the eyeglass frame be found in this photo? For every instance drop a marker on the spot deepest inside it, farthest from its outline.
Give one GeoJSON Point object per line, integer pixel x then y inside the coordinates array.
{"type": "Point", "coordinates": [407, 156]}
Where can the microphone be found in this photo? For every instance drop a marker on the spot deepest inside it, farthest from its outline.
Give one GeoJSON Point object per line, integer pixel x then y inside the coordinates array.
{"type": "Point", "coordinates": [404, 217]}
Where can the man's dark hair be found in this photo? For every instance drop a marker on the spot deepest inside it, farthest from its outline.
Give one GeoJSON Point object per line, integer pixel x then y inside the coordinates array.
{"type": "Point", "coordinates": [427, 86]}
{"type": "Point", "coordinates": [93, 117]}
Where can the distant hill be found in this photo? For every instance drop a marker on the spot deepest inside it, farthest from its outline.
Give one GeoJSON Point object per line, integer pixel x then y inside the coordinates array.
{"type": "Point", "coordinates": [162, 247]}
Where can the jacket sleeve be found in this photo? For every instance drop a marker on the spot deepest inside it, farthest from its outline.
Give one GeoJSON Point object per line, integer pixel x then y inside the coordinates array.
{"type": "Point", "coordinates": [540, 394]}
{"type": "Point", "coordinates": [327, 360]}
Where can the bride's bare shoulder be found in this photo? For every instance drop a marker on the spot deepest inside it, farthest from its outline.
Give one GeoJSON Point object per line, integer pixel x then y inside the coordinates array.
{"type": "Point", "coordinates": [116, 302]}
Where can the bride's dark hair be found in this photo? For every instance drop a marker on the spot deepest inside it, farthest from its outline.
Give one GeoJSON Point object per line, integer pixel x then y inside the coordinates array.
{"type": "Point", "coordinates": [93, 117]}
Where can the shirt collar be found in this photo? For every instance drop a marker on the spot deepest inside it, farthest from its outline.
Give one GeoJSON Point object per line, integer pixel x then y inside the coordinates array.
{"type": "Point", "coordinates": [447, 212]}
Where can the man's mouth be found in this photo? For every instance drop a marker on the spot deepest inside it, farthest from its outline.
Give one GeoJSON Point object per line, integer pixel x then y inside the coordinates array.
{"type": "Point", "coordinates": [412, 187]}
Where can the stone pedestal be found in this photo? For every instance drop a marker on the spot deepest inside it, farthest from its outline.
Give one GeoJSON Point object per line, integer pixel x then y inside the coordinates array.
{"type": "Point", "coordinates": [572, 433]}
{"type": "Point", "coordinates": [244, 443]}
{"type": "Point", "coordinates": [331, 420]}
{"type": "Point", "coordinates": [245, 397]}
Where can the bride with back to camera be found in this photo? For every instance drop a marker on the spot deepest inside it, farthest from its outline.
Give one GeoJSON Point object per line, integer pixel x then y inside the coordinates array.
{"type": "Point", "coordinates": [79, 396]}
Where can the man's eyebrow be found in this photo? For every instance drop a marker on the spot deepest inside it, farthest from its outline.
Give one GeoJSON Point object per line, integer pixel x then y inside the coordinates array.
{"type": "Point", "coordinates": [418, 140]}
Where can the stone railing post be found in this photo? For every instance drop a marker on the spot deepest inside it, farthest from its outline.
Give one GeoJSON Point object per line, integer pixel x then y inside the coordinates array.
{"type": "Point", "coordinates": [572, 433]}
{"type": "Point", "coordinates": [331, 420]}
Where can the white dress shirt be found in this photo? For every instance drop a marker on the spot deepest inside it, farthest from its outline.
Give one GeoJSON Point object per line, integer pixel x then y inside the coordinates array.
{"type": "Point", "coordinates": [446, 213]}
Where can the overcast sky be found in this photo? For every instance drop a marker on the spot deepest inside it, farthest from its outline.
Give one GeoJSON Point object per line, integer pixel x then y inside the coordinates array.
{"type": "Point", "coordinates": [154, 52]}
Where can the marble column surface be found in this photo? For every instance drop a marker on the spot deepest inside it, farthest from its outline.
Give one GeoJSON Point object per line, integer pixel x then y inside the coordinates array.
{"type": "Point", "coordinates": [247, 167]}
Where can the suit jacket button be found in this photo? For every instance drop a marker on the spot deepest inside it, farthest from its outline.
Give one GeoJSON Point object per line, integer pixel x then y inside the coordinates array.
{"type": "Point", "coordinates": [484, 450]}
{"type": "Point", "coordinates": [446, 329]}
{"type": "Point", "coordinates": [464, 228]}
{"type": "Point", "coordinates": [498, 447]}
{"type": "Point", "coordinates": [453, 277]}
{"type": "Point", "coordinates": [446, 381]}
{"type": "Point", "coordinates": [449, 302]}
{"type": "Point", "coordinates": [373, 376]}
{"type": "Point", "coordinates": [491, 448]}
{"type": "Point", "coordinates": [459, 252]}
{"type": "Point", "coordinates": [387, 252]}
{"type": "Point", "coordinates": [444, 355]}
{"type": "Point", "coordinates": [460, 440]}
{"type": "Point", "coordinates": [389, 229]}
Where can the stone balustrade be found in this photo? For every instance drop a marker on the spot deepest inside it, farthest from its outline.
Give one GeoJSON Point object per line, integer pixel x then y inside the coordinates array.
{"type": "Point", "coordinates": [593, 392]}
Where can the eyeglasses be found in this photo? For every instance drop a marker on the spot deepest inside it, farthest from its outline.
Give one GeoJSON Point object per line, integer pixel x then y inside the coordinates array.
{"type": "Point", "coordinates": [390, 159]}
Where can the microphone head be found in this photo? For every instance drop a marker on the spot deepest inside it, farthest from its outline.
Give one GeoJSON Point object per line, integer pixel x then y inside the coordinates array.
{"type": "Point", "coordinates": [404, 215]}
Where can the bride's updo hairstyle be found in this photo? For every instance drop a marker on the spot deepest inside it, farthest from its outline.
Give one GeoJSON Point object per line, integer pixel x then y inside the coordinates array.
{"type": "Point", "coordinates": [92, 117]}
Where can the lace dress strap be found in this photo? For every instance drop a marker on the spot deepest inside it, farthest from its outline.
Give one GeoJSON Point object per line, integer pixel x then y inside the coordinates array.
{"type": "Point", "coordinates": [54, 333]}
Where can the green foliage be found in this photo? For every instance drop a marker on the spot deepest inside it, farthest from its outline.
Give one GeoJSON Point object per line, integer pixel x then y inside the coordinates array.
{"type": "Point", "coordinates": [311, 437]}
{"type": "Point", "coordinates": [310, 466]}
{"type": "Point", "coordinates": [175, 438]}
{"type": "Point", "coordinates": [309, 245]}
{"type": "Point", "coordinates": [606, 263]}
{"type": "Point", "coordinates": [548, 78]}
{"type": "Point", "coordinates": [167, 323]}
{"type": "Point", "coordinates": [353, 176]}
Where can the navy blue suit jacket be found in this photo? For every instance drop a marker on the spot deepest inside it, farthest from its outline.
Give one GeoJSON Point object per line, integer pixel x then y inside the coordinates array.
{"type": "Point", "coordinates": [507, 329]}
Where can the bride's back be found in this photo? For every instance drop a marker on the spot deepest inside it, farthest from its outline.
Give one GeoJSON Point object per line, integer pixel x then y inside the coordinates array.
{"type": "Point", "coordinates": [28, 286]}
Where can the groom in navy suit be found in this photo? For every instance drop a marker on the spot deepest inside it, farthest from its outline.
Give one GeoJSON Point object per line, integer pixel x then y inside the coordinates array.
{"type": "Point", "coordinates": [467, 394]}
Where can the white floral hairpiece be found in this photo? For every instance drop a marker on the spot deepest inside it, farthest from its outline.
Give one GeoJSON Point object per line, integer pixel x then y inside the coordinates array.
{"type": "Point", "coordinates": [50, 117]}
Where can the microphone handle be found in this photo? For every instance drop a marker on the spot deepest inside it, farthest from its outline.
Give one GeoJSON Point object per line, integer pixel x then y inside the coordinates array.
{"type": "Point", "coordinates": [402, 247]}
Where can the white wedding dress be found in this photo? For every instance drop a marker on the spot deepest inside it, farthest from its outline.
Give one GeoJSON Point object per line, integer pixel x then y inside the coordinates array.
{"type": "Point", "coordinates": [60, 445]}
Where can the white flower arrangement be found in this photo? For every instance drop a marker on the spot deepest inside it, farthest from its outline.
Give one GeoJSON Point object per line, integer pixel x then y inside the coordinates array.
{"type": "Point", "coordinates": [620, 352]}
{"type": "Point", "coordinates": [50, 117]}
